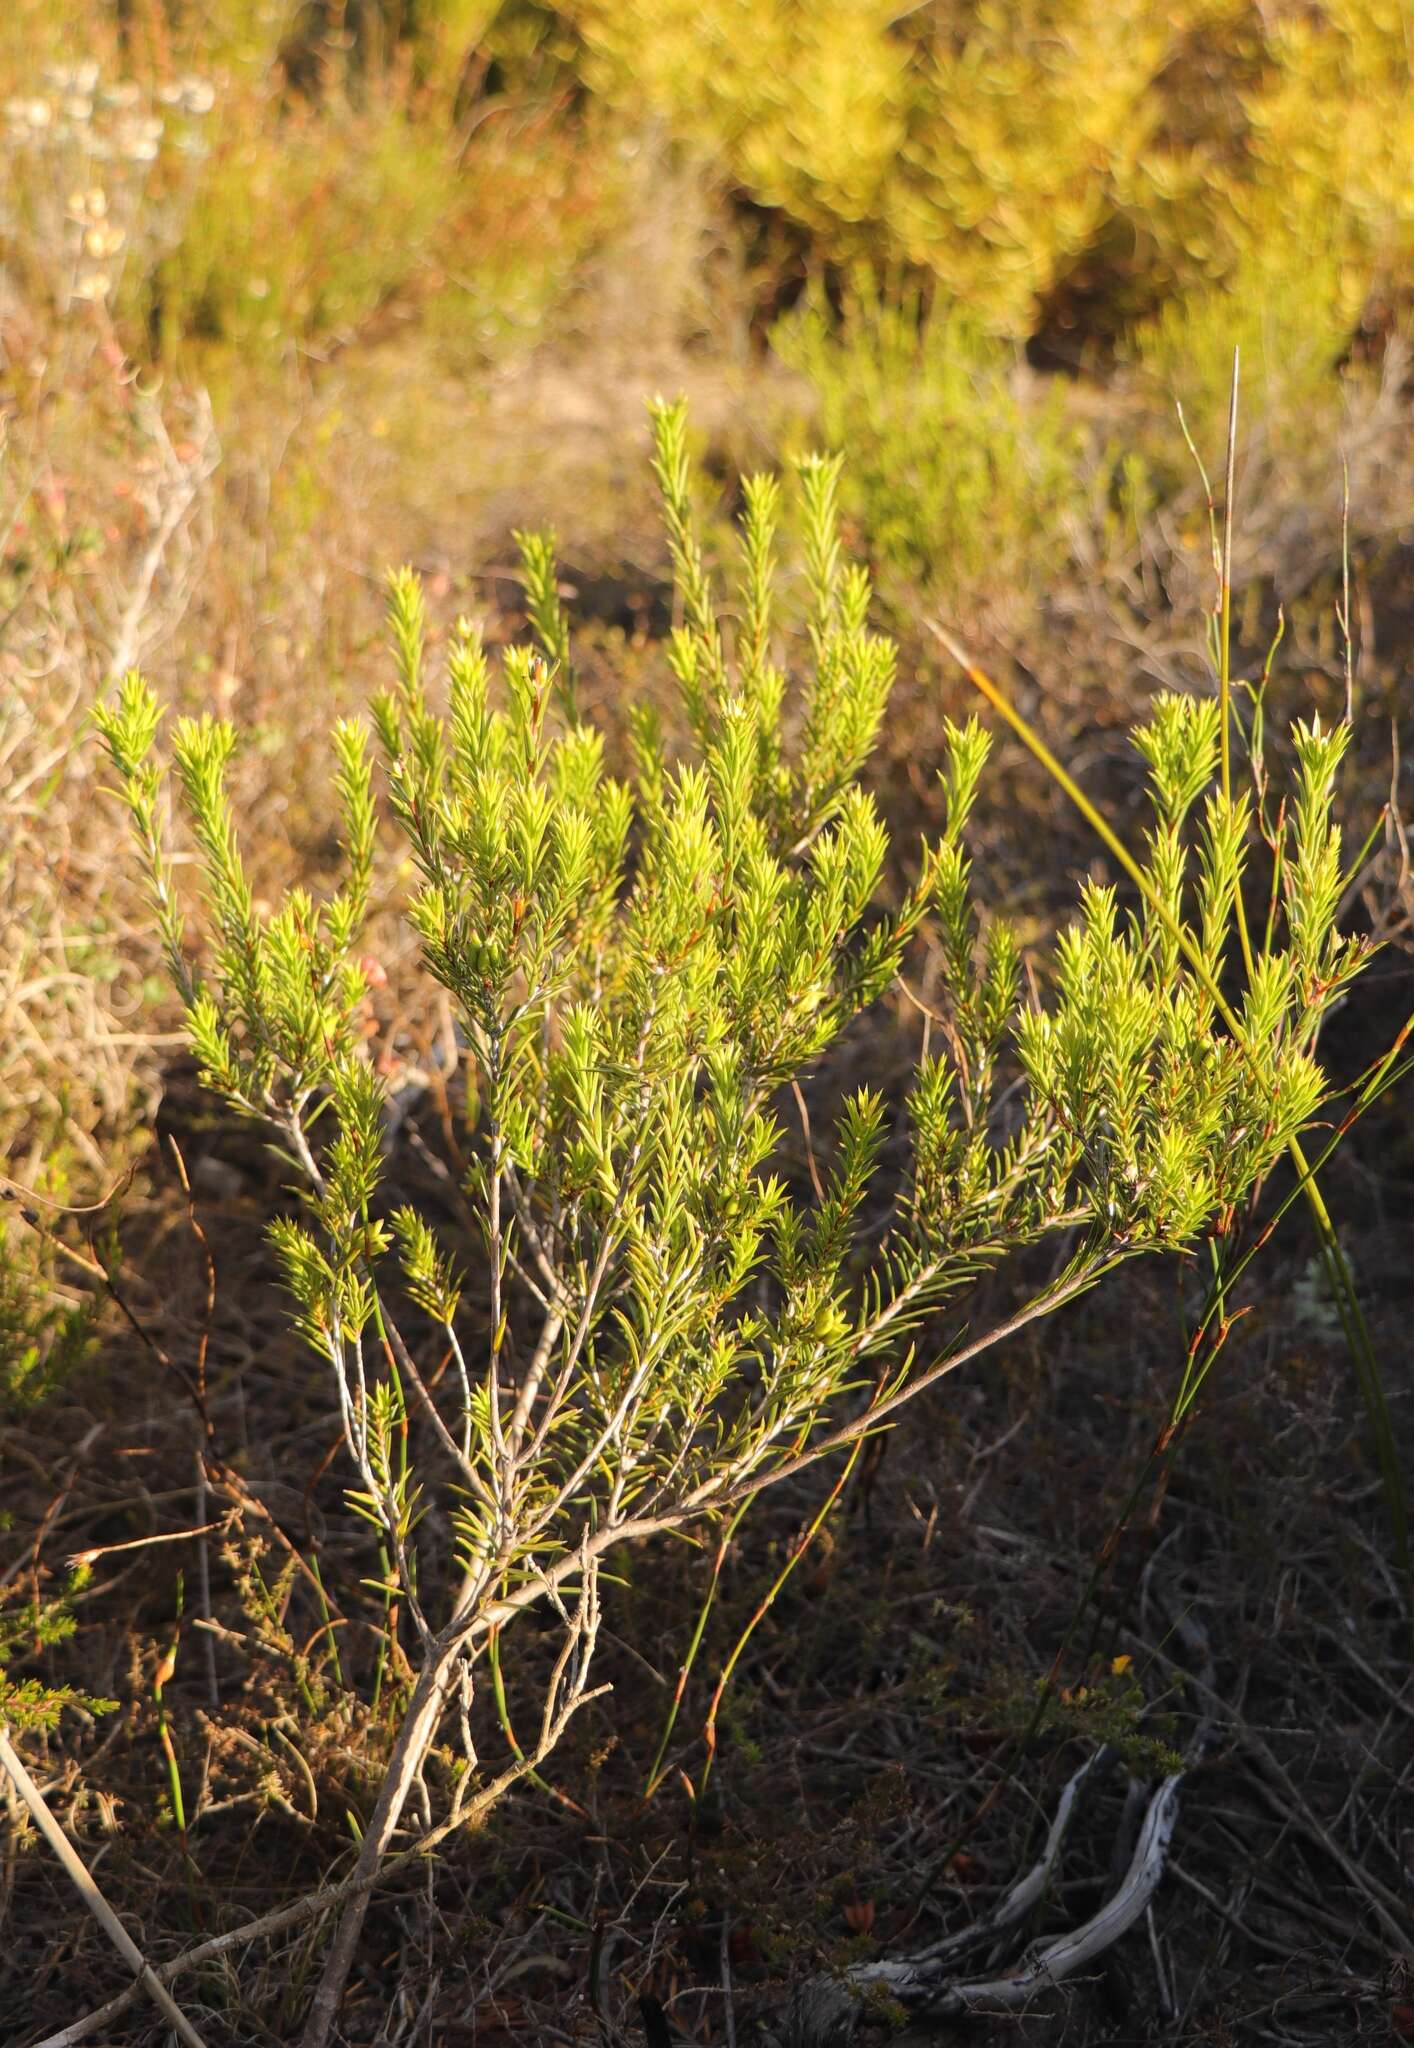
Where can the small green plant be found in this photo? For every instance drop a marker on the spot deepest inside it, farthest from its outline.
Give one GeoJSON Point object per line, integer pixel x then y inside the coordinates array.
{"type": "Point", "coordinates": [957, 475]}
{"type": "Point", "coordinates": [650, 1325]}
{"type": "Point", "coordinates": [27, 1629]}
{"type": "Point", "coordinates": [44, 1335]}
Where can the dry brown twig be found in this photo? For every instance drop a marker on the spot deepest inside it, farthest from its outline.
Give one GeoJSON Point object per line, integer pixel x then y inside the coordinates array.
{"type": "Point", "coordinates": [67, 1061]}
{"type": "Point", "coordinates": [182, 477]}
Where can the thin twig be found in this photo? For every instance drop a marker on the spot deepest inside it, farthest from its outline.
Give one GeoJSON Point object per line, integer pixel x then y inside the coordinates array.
{"type": "Point", "coordinates": [728, 2002]}
{"type": "Point", "coordinates": [98, 1906]}
{"type": "Point", "coordinates": [190, 477]}
{"type": "Point", "coordinates": [324, 1900]}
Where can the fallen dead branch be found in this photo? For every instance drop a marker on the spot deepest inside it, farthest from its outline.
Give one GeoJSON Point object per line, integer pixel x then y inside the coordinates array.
{"type": "Point", "coordinates": [825, 2012]}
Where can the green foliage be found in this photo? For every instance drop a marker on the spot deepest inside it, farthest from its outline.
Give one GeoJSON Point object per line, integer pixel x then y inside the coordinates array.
{"type": "Point", "coordinates": [357, 193]}
{"type": "Point", "coordinates": [982, 144]}
{"type": "Point", "coordinates": [1013, 153]}
{"type": "Point", "coordinates": [264, 177]}
{"type": "Point", "coordinates": [297, 170]}
{"type": "Point", "coordinates": [44, 1335]}
{"type": "Point", "coordinates": [1111, 1709]}
{"type": "Point", "coordinates": [26, 1631]}
{"type": "Point", "coordinates": [638, 968]}
{"type": "Point", "coordinates": [1291, 311]}
{"type": "Point", "coordinates": [960, 471]}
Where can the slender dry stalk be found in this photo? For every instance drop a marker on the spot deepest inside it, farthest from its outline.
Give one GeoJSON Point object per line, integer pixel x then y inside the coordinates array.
{"type": "Point", "coordinates": [88, 1891]}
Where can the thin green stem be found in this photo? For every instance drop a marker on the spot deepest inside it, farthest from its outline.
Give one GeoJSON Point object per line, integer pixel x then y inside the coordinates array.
{"type": "Point", "coordinates": [1225, 648]}
{"type": "Point", "coordinates": [710, 1727]}
{"type": "Point", "coordinates": [656, 1772]}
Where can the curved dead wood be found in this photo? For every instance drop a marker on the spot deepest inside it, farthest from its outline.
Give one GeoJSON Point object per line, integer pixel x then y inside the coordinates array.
{"type": "Point", "coordinates": [825, 2012]}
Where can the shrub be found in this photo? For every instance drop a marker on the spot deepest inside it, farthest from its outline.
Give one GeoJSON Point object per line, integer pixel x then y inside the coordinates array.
{"type": "Point", "coordinates": [651, 1324]}
{"type": "Point", "coordinates": [1014, 154]}
{"type": "Point", "coordinates": [44, 1334]}
{"type": "Point", "coordinates": [973, 142]}
{"type": "Point", "coordinates": [959, 474]}
{"type": "Point", "coordinates": [235, 183]}
{"type": "Point", "coordinates": [310, 163]}
{"type": "Point", "coordinates": [96, 174]}
{"type": "Point", "coordinates": [88, 580]}
{"type": "Point", "coordinates": [29, 1705]}
{"type": "Point", "coordinates": [1291, 310]}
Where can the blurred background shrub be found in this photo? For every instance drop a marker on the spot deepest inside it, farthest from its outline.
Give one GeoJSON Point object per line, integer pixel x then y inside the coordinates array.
{"type": "Point", "coordinates": [1028, 156]}
{"type": "Point", "coordinates": [1067, 173]}
{"type": "Point", "coordinates": [965, 465]}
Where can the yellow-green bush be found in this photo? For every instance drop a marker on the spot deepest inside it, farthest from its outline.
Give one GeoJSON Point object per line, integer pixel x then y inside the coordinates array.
{"type": "Point", "coordinates": [1332, 128]}
{"type": "Point", "coordinates": [1038, 161]}
{"type": "Point", "coordinates": [980, 151]}
{"type": "Point", "coordinates": [1291, 322]}
{"type": "Point", "coordinates": [1012, 151]}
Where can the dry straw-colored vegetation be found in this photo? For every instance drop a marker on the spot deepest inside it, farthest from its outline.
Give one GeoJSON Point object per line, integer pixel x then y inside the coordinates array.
{"type": "Point", "coordinates": [640, 1063]}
